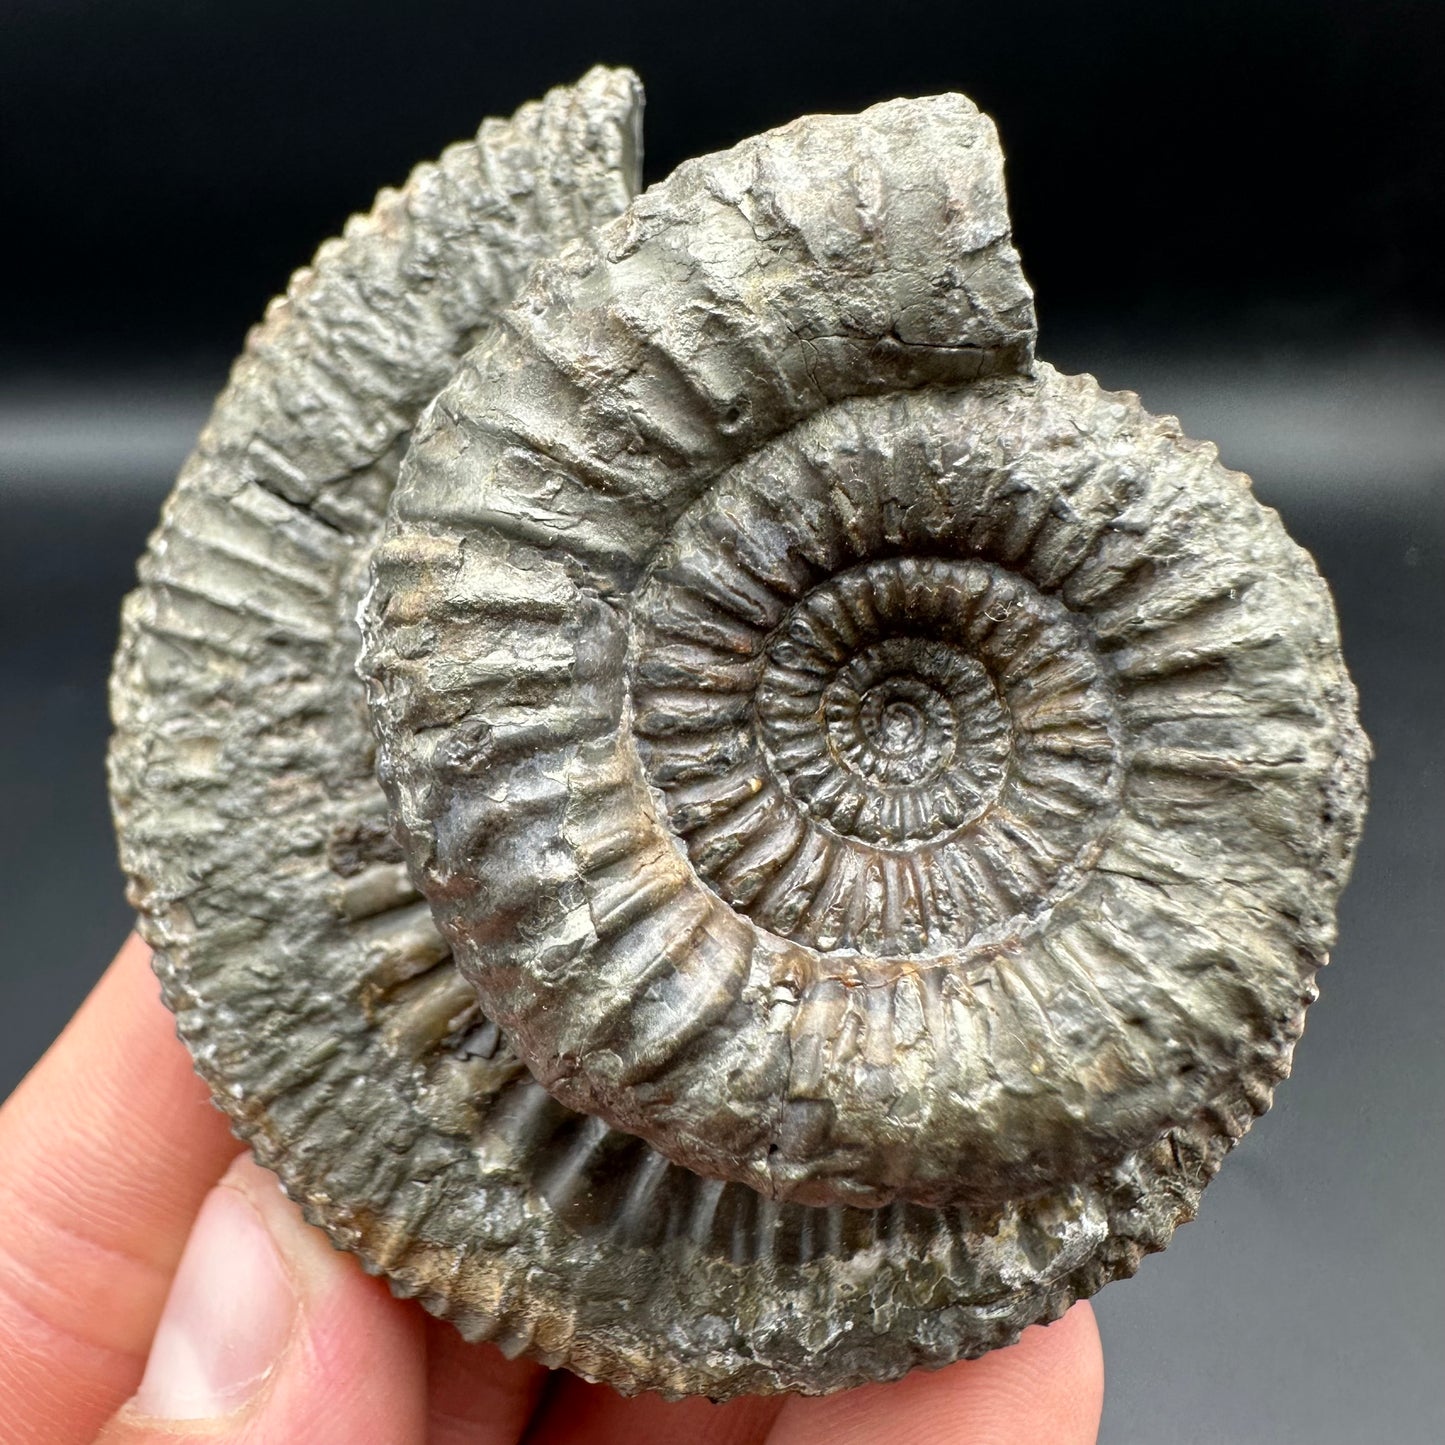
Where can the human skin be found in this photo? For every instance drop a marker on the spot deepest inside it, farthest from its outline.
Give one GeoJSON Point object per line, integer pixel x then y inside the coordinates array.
{"type": "Point", "coordinates": [155, 1286]}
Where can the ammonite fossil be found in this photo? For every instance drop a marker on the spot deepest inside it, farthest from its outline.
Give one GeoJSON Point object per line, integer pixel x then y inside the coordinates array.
{"type": "Point", "coordinates": [855, 814]}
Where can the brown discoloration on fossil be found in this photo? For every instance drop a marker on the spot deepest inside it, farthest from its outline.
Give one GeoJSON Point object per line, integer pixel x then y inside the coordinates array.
{"type": "Point", "coordinates": [949, 754]}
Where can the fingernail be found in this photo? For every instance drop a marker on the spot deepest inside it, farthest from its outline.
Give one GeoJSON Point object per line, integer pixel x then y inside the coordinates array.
{"type": "Point", "coordinates": [227, 1317]}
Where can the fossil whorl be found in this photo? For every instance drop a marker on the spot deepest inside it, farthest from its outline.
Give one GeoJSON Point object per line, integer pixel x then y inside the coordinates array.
{"type": "Point", "coordinates": [843, 752]}
{"type": "Point", "coordinates": [858, 554]}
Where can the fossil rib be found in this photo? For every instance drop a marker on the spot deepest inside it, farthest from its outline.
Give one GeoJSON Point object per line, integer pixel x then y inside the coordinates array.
{"type": "Point", "coordinates": [895, 792]}
{"type": "Point", "coordinates": [771, 659]}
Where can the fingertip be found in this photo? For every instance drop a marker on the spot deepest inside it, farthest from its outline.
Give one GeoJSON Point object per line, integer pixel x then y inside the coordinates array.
{"type": "Point", "coordinates": [1048, 1386]}
{"type": "Point", "coordinates": [110, 1144]}
{"type": "Point", "coordinates": [230, 1312]}
{"type": "Point", "coordinates": [475, 1395]}
{"type": "Point", "coordinates": [270, 1333]}
{"type": "Point", "coordinates": [596, 1413]}
{"type": "Point", "coordinates": [358, 1337]}
{"type": "Point", "coordinates": [134, 954]}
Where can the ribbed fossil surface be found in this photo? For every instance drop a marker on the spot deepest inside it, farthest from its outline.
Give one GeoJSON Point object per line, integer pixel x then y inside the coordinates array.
{"type": "Point", "coordinates": [865, 811]}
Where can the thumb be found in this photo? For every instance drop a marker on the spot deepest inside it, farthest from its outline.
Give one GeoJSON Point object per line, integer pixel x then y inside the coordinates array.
{"type": "Point", "coordinates": [270, 1335]}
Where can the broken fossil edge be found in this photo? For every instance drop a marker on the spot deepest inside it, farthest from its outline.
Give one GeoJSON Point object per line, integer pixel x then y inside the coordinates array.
{"type": "Point", "coordinates": [308, 980]}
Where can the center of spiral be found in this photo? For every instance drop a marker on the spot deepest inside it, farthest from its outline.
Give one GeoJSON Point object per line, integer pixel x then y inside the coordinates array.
{"type": "Point", "coordinates": [889, 739]}
{"type": "Point", "coordinates": [887, 760]}
{"type": "Point", "coordinates": [901, 729]}
{"type": "Point", "coordinates": [894, 726]}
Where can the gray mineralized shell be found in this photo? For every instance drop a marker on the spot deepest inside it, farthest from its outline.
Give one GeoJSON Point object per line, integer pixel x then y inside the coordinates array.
{"type": "Point", "coordinates": [843, 752]}
{"type": "Point", "coordinates": [898, 792]}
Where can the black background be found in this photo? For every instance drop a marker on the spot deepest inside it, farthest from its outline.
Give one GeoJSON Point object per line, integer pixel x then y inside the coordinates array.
{"type": "Point", "coordinates": [1181, 168]}
{"type": "Point", "coordinates": [1234, 209]}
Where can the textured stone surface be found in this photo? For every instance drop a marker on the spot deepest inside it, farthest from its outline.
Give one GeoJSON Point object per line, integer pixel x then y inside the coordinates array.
{"type": "Point", "coordinates": [843, 752]}
{"type": "Point", "coordinates": [854, 763]}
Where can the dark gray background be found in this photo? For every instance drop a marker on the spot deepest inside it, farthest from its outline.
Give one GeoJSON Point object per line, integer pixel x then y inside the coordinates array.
{"type": "Point", "coordinates": [1233, 209]}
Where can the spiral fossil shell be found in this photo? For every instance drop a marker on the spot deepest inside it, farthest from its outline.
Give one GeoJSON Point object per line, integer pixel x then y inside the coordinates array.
{"type": "Point", "coordinates": [863, 811]}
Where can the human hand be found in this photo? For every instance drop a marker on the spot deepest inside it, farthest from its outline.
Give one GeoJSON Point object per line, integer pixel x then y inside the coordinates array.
{"type": "Point", "coordinates": [154, 1287]}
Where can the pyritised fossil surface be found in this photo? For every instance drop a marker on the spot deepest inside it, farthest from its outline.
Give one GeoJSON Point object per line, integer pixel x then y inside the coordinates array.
{"type": "Point", "coordinates": [714, 819]}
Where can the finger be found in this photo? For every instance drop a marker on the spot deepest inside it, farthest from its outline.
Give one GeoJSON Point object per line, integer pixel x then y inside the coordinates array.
{"type": "Point", "coordinates": [109, 1146]}
{"type": "Point", "coordinates": [269, 1336]}
{"type": "Point", "coordinates": [476, 1396]}
{"type": "Point", "coordinates": [1049, 1386]}
{"type": "Point", "coordinates": [600, 1416]}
